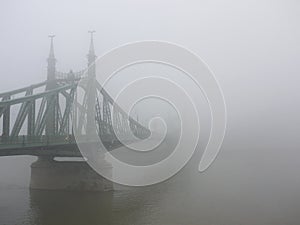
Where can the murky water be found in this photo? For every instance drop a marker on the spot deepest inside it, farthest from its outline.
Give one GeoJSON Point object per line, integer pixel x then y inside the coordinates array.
{"type": "Point", "coordinates": [240, 188]}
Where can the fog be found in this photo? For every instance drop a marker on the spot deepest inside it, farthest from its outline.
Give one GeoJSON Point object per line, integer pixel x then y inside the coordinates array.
{"type": "Point", "coordinates": [251, 46]}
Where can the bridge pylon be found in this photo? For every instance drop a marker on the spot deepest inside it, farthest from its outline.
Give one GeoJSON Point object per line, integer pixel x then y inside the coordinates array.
{"type": "Point", "coordinates": [49, 174]}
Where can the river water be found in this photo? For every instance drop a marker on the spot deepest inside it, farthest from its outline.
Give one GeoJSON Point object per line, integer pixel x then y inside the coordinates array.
{"type": "Point", "coordinates": [242, 187]}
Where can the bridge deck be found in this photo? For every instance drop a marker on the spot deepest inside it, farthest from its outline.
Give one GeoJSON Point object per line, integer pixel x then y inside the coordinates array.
{"type": "Point", "coordinates": [59, 146]}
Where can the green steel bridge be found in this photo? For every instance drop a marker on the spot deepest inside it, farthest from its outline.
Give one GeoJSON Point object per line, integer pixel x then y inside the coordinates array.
{"type": "Point", "coordinates": [40, 119]}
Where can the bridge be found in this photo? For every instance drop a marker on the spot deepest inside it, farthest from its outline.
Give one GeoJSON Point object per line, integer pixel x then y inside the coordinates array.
{"type": "Point", "coordinates": [40, 119]}
{"type": "Point", "coordinates": [44, 120]}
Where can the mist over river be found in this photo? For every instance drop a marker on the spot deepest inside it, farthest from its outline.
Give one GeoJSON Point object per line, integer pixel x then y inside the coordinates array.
{"type": "Point", "coordinates": [241, 187]}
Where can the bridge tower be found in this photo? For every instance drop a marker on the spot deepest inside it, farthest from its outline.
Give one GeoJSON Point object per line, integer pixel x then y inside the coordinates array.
{"type": "Point", "coordinates": [51, 84]}
{"type": "Point", "coordinates": [91, 94]}
{"type": "Point", "coordinates": [49, 174]}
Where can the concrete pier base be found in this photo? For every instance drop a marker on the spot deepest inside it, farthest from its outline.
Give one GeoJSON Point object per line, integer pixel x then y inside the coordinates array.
{"type": "Point", "coordinates": [48, 174]}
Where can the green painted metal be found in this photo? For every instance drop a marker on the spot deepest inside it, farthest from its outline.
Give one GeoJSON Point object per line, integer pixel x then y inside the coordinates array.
{"type": "Point", "coordinates": [49, 113]}
{"type": "Point", "coordinates": [36, 135]}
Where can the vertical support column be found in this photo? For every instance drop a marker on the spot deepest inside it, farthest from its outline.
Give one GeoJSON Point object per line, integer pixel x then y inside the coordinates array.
{"type": "Point", "coordinates": [6, 121]}
{"type": "Point", "coordinates": [91, 102]}
{"type": "Point", "coordinates": [56, 107]}
{"type": "Point", "coordinates": [31, 119]}
{"type": "Point", "coordinates": [106, 115]}
{"type": "Point", "coordinates": [75, 112]}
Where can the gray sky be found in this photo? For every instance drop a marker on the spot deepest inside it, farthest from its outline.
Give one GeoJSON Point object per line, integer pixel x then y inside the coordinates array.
{"type": "Point", "coordinates": [251, 46]}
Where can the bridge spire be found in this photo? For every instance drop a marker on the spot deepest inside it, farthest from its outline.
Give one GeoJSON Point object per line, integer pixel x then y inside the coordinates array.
{"type": "Point", "coordinates": [91, 56]}
{"type": "Point", "coordinates": [92, 92]}
{"type": "Point", "coordinates": [92, 50]}
{"type": "Point", "coordinates": [51, 61]}
{"type": "Point", "coordinates": [51, 84]}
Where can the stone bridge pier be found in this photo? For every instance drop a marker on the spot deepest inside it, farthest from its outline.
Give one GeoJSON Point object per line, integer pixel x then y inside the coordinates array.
{"type": "Point", "coordinates": [49, 174]}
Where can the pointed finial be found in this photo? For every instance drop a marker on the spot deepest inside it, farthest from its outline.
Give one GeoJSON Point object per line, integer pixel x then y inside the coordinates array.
{"type": "Point", "coordinates": [92, 41]}
{"type": "Point", "coordinates": [51, 61]}
{"type": "Point", "coordinates": [91, 57]}
{"type": "Point", "coordinates": [51, 53]}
